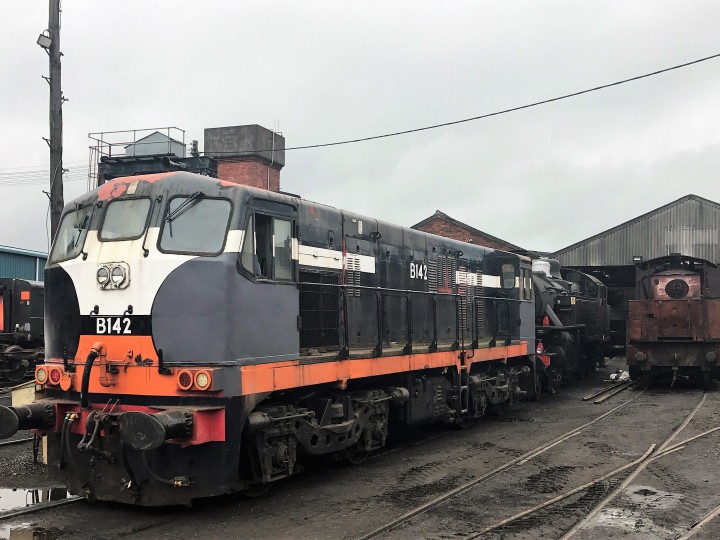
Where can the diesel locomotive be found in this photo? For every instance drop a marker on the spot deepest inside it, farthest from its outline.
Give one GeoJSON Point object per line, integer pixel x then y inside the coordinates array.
{"type": "Point", "coordinates": [674, 325]}
{"type": "Point", "coordinates": [204, 337]}
{"type": "Point", "coordinates": [21, 327]}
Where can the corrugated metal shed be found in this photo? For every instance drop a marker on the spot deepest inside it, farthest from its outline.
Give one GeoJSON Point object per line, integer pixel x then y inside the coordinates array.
{"type": "Point", "coordinates": [22, 263]}
{"type": "Point", "coordinates": [689, 226]}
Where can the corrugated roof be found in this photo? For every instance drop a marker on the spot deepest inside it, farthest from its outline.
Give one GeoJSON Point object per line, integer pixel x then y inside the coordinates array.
{"type": "Point", "coordinates": [21, 251]}
{"type": "Point", "coordinates": [688, 225]}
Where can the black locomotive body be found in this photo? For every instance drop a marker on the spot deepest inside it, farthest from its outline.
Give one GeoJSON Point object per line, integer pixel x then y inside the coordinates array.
{"type": "Point", "coordinates": [674, 325]}
{"type": "Point", "coordinates": [204, 337]}
{"type": "Point", "coordinates": [572, 321]}
{"type": "Point", "coordinates": [21, 327]}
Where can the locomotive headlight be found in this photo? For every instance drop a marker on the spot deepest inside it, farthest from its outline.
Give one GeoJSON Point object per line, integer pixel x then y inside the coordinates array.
{"type": "Point", "coordinates": [202, 380]}
{"type": "Point", "coordinates": [103, 276]}
{"type": "Point", "coordinates": [41, 375]}
{"type": "Point", "coordinates": [117, 275]}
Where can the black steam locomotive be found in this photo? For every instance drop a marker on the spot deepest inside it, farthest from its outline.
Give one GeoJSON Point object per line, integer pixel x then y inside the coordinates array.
{"type": "Point", "coordinates": [21, 327]}
{"type": "Point", "coordinates": [674, 325]}
{"type": "Point", "coordinates": [572, 321]}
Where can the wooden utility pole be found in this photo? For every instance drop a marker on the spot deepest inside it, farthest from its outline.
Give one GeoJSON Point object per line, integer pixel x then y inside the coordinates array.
{"type": "Point", "coordinates": [56, 124]}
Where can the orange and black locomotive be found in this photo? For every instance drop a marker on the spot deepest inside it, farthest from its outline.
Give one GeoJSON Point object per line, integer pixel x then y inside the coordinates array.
{"type": "Point", "coordinates": [204, 337]}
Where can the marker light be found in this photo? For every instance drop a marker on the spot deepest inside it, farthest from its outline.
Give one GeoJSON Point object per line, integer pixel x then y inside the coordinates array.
{"type": "Point", "coordinates": [184, 379]}
{"type": "Point", "coordinates": [54, 376]}
{"type": "Point", "coordinates": [202, 380]}
{"type": "Point", "coordinates": [41, 375]}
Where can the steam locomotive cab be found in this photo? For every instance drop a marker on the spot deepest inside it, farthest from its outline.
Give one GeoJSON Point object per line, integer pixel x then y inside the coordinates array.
{"type": "Point", "coordinates": [674, 326]}
{"type": "Point", "coordinates": [572, 320]}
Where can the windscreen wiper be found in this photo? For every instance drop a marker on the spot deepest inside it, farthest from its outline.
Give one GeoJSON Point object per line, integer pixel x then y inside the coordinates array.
{"type": "Point", "coordinates": [188, 203]}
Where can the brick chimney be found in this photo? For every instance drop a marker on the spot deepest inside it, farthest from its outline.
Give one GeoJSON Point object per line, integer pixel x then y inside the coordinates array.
{"type": "Point", "coordinates": [245, 155]}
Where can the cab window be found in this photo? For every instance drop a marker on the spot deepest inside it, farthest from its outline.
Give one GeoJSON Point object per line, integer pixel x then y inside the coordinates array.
{"type": "Point", "coordinates": [125, 219]}
{"type": "Point", "coordinates": [508, 276]}
{"type": "Point", "coordinates": [195, 225]}
{"type": "Point", "coordinates": [71, 234]}
{"type": "Point", "coordinates": [267, 248]}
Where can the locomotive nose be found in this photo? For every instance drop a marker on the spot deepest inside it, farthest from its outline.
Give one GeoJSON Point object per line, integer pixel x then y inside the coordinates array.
{"type": "Point", "coordinates": [33, 416]}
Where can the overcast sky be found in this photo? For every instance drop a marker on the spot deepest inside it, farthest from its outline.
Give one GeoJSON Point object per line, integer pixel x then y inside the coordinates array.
{"type": "Point", "coordinates": [541, 178]}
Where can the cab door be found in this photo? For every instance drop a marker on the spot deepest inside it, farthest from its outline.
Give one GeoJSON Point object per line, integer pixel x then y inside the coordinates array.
{"type": "Point", "coordinates": [268, 292]}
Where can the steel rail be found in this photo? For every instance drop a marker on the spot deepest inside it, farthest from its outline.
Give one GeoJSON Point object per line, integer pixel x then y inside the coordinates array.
{"type": "Point", "coordinates": [602, 391]}
{"type": "Point", "coordinates": [692, 531]}
{"type": "Point", "coordinates": [16, 441]}
{"type": "Point", "coordinates": [645, 457]}
{"type": "Point", "coordinates": [517, 461]}
{"type": "Point", "coordinates": [661, 450]}
{"type": "Point", "coordinates": [38, 508]}
{"type": "Point", "coordinates": [614, 392]}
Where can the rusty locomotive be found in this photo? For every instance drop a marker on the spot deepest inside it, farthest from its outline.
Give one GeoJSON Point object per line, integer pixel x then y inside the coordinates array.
{"type": "Point", "coordinates": [674, 325]}
{"type": "Point", "coordinates": [21, 327]}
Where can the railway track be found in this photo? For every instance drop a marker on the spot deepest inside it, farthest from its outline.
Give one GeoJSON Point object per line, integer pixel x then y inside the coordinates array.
{"type": "Point", "coordinates": [524, 458]}
{"type": "Point", "coordinates": [626, 473]}
{"type": "Point", "coordinates": [39, 507]}
{"type": "Point", "coordinates": [16, 441]}
{"type": "Point", "coordinates": [601, 396]}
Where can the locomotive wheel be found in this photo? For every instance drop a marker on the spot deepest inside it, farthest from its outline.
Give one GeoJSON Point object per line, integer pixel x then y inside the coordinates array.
{"type": "Point", "coordinates": [463, 422]}
{"type": "Point", "coordinates": [538, 386]}
{"type": "Point", "coordinates": [356, 457]}
{"type": "Point", "coordinates": [17, 368]}
{"type": "Point", "coordinates": [256, 490]}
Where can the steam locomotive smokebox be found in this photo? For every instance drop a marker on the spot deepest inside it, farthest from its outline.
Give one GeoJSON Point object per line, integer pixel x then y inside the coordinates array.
{"type": "Point", "coordinates": [251, 155]}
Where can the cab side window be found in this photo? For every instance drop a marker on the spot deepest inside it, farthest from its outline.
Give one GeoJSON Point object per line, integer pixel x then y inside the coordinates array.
{"type": "Point", "coordinates": [508, 276]}
{"type": "Point", "coordinates": [267, 248]}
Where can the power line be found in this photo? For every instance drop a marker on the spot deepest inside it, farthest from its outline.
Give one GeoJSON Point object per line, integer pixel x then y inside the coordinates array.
{"type": "Point", "coordinates": [488, 115]}
{"type": "Point", "coordinates": [30, 175]}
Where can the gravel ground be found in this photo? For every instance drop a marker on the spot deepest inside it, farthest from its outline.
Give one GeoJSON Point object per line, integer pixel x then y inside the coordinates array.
{"type": "Point", "coordinates": [341, 501]}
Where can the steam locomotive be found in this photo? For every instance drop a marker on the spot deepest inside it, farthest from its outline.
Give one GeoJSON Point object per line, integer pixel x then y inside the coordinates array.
{"type": "Point", "coordinates": [674, 325]}
{"type": "Point", "coordinates": [572, 322]}
{"type": "Point", "coordinates": [204, 337]}
{"type": "Point", "coordinates": [21, 327]}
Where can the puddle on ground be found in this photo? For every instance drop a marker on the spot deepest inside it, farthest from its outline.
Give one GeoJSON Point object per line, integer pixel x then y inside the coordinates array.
{"type": "Point", "coordinates": [650, 497]}
{"type": "Point", "coordinates": [26, 531]}
{"type": "Point", "coordinates": [15, 498]}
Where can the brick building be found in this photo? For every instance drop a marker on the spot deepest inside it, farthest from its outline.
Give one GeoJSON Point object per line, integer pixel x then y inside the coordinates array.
{"type": "Point", "coordinates": [443, 225]}
{"type": "Point", "coordinates": [251, 155]}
